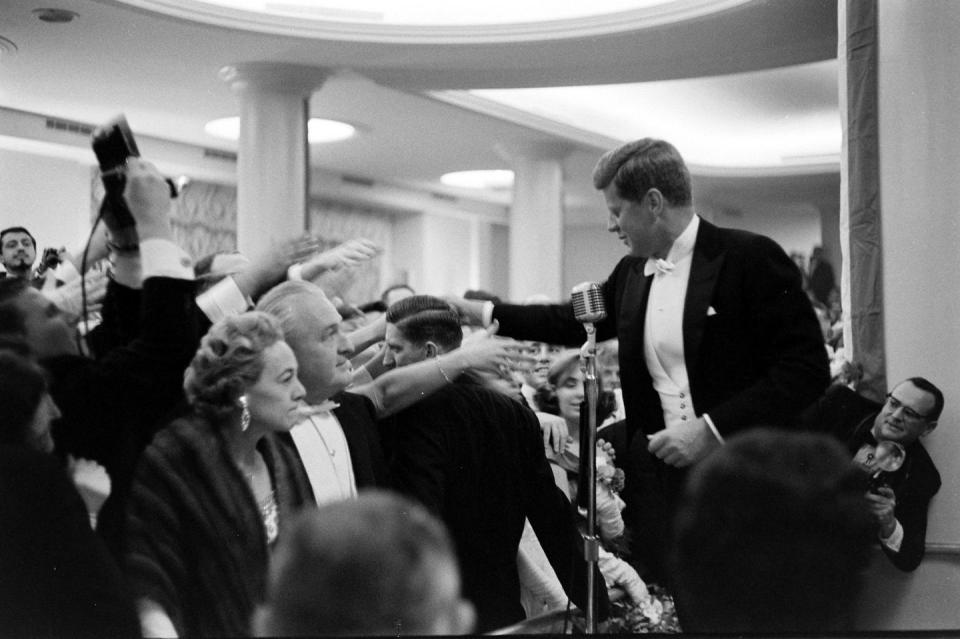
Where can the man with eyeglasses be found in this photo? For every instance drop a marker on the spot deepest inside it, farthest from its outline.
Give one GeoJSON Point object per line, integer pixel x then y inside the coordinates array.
{"type": "Point", "coordinates": [900, 502]}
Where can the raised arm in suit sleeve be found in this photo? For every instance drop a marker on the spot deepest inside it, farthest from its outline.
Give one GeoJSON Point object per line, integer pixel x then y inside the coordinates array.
{"type": "Point", "coordinates": [913, 504]}
{"type": "Point", "coordinates": [556, 323]}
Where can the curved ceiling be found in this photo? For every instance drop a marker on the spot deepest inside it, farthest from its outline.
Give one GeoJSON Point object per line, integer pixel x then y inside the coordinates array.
{"type": "Point", "coordinates": [745, 57]}
{"type": "Point", "coordinates": [436, 21]}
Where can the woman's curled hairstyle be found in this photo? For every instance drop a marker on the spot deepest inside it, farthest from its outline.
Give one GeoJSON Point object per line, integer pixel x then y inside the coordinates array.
{"type": "Point", "coordinates": [230, 359]}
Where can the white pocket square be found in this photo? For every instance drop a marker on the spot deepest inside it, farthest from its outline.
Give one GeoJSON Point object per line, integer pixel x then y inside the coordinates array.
{"type": "Point", "coordinates": [711, 311]}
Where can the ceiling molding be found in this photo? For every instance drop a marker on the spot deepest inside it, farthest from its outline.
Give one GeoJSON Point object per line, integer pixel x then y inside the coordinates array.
{"type": "Point", "coordinates": [324, 28]}
{"type": "Point", "coordinates": [466, 100]}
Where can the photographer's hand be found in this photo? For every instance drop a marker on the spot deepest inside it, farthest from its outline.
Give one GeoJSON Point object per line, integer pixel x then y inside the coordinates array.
{"type": "Point", "coordinates": [883, 503]}
{"type": "Point", "coordinates": [148, 197]}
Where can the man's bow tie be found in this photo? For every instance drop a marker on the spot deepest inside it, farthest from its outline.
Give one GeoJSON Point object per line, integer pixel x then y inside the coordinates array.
{"type": "Point", "coordinates": [655, 265]}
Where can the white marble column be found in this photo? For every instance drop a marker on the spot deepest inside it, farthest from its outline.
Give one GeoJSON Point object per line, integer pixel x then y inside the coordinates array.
{"type": "Point", "coordinates": [536, 220]}
{"type": "Point", "coordinates": [273, 164]}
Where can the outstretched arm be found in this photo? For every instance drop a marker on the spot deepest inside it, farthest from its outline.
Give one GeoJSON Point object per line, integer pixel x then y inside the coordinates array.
{"type": "Point", "coordinates": [402, 387]}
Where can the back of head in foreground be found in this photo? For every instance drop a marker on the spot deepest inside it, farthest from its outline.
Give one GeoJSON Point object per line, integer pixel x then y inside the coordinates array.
{"type": "Point", "coordinates": [772, 536]}
{"type": "Point", "coordinates": [377, 565]}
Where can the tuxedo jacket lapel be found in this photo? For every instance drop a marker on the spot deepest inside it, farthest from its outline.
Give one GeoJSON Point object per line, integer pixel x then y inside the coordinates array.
{"type": "Point", "coordinates": [633, 309]}
{"type": "Point", "coordinates": [704, 273]}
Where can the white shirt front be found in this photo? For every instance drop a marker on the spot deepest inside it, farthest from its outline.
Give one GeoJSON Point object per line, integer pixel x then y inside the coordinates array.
{"type": "Point", "coordinates": [326, 458]}
{"type": "Point", "coordinates": [663, 330]}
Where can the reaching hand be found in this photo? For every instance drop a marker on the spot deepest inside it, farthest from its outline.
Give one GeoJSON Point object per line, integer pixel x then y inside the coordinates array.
{"type": "Point", "coordinates": [148, 197]}
{"type": "Point", "coordinates": [554, 431]}
{"type": "Point", "coordinates": [269, 266]}
{"type": "Point", "coordinates": [883, 502]}
{"type": "Point", "coordinates": [617, 572]}
{"type": "Point", "coordinates": [69, 297]}
{"type": "Point", "coordinates": [609, 519]}
{"type": "Point", "coordinates": [684, 444]}
{"type": "Point", "coordinates": [607, 449]}
{"type": "Point", "coordinates": [347, 255]}
{"type": "Point", "coordinates": [488, 353]}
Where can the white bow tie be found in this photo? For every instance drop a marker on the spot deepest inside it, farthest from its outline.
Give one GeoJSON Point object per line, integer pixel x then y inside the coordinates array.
{"type": "Point", "coordinates": [655, 265]}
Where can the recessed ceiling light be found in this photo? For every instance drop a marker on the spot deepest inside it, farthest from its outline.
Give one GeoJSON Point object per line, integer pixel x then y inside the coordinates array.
{"type": "Point", "coordinates": [481, 179]}
{"type": "Point", "coordinates": [319, 130]}
{"type": "Point", "coordinates": [59, 16]}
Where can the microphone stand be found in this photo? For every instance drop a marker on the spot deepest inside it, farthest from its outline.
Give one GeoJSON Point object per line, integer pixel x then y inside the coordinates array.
{"type": "Point", "coordinates": [591, 542]}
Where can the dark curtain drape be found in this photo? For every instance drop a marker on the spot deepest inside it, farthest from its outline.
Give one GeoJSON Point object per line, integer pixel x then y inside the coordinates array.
{"type": "Point", "coordinates": [863, 196]}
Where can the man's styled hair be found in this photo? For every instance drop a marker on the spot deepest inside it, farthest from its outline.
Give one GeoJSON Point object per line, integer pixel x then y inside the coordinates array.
{"type": "Point", "coordinates": [771, 536]}
{"type": "Point", "coordinates": [424, 318]}
{"type": "Point", "coordinates": [362, 567]}
{"type": "Point", "coordinates": [396, 287]}
{"type": "Point", "coordinates": [637, 167]}
{"type": "Point", "coordinates": [283, 300]}
{"type": "Point", "coordinates": [927, 386]}
{"type": "Point", "coordinates": [18, 229]}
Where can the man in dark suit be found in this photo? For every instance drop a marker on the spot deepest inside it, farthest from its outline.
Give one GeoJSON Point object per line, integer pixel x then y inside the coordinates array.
{"type": "Point", "coordinates": [901, 500]}
{"type": "Point", "coordinates": [58, 578]}
{"type": "Point", "coordinates": [340, 443]}
{"type": "Point", "coordinates": [475, 458]}
{"type": "Point", "coordinates": [715, 332]}
{"type": "Point", "coordinates": [112, 406]}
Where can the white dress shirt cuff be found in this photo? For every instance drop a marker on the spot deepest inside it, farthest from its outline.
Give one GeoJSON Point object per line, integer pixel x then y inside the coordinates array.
{"type": "Point", "coordinates": [67, 272]}
{"type": "Point", "coordinates": [713, 428]}
{"type": "Point", "coordinates": [222, 300]}
{"type": "Point", "coordinates": [895, 539]}
{"type": "Point", "coordinates": [487, 313]}
{"type": "Point", "coordinates": [295, 272]}
{"type": "Point", "coordinates": [154, 620]}
{"type": "Point", "coordinates": [361, 376]}
{"type": "Point", "coordinates": [163, 258]}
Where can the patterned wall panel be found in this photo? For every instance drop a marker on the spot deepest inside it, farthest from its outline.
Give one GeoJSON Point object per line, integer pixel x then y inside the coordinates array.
{"type": "Point", "coordinates": [204, 221]}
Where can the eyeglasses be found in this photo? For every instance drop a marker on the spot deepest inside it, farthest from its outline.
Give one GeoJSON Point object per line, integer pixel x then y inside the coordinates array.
{"type": "Point", "coordinates": [909, 412]}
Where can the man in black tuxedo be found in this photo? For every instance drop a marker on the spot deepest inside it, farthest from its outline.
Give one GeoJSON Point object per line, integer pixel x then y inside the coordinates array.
{"type": "Point", "coordinates": [339, 443]}
{"type": "Point", "coordinates": [901, 500]}
{"type": "Point", "coordinates": [474, 457]}
{"type": "Point", "coordinates": [58, 578]}
{"type": "Point", "coordinates": [715, 332]}
{"type": "Point", "coordinates": [113, 405]}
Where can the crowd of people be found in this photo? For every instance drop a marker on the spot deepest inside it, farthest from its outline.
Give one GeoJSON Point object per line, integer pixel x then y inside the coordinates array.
{"type": "Point", "coordinates": [274, 460]}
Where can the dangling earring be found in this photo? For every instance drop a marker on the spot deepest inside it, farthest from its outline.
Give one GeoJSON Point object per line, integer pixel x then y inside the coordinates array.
{"type": "Point", "coordinates": [244, 414]}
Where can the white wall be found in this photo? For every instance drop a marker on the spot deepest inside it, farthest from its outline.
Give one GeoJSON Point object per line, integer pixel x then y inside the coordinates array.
{"type": "Point", "coordinates": [794, 226]}
{"type": "Point", "coordinates": [920, 215]}
{"type": "Point", "coordinates": [448, 255]}
{"type": "Point", "coordinates": [50, 196]}
{"type": "Point", "coordinates": [589, 255]}
{"type": "Point", "coordinates": [590, 252]}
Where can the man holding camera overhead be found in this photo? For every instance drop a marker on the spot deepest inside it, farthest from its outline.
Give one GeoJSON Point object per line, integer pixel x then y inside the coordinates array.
{"type": "Point", "coordinates": [112, 406]}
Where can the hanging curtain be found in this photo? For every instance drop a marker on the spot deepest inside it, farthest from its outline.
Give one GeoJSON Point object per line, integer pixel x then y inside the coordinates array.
{"type": "Point", "coordinates": [860, 197]}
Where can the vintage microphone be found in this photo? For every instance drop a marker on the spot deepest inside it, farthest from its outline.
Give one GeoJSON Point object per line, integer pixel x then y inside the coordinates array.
{"type": "Point", "coordinates": [589, 308]}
